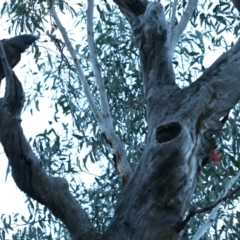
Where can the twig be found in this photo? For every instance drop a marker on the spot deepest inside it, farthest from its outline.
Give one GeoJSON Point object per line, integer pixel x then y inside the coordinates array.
{"type": "Point", "coordinates": [210, 207]}
{"type": "Point", "coordinates": [201, 231]}
{"type": "Point", "coordinates": [224, 195]}
{"type": "Point", "coordinates": [60, 46]}
{"type": "Point", "coordinates": [178, 30]}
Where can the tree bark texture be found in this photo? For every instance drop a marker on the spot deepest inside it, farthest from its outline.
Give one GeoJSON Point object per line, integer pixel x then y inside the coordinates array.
{"type": "Point", "coordinates": [182, 127]}
{"type": "Point", "coordinates": [30, 177]}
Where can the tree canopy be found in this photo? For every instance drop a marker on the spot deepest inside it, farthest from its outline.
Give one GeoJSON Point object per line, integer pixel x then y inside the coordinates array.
{"type": "Point", "coordinates": [134, 89]}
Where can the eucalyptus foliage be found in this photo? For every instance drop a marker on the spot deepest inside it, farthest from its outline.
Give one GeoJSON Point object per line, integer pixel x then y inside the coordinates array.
{"type": "Point", "coordinates": [73, 137]}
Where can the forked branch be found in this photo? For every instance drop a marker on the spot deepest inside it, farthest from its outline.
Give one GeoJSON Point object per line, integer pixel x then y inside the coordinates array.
{"type": "Point", "coordinates": [95, 66]}
{"type": "Point", "coordinates": [103, 117]}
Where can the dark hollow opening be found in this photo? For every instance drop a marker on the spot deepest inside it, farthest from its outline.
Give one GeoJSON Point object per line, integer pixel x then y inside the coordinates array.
{"type": "Point", "coordinates": [168, 132]}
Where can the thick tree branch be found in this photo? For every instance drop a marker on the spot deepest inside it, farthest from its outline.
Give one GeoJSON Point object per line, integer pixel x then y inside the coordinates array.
{"type": "Point", "coordinates": [154, 192]}
{"type": "Point", "coordinates": [134, 6]}
{"type": "Point", "coordinates": [178, 30]}
{"type": "Point", "coordinates": [153, 36]}
{"type": "Point", "coordinates": [236, 4]}
{"type": "Point", "coordinates": [223, 195]}
{"type": "Point", "coordinates": [221, 81]}
{"type": "Point", "coordinates": [53, 192]}
{"type": "Point", "coordinates": [6, 67]}
{"type": "Point", "coordinates": [152, 33]}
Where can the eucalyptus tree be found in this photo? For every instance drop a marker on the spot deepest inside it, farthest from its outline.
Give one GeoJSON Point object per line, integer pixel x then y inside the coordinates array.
{"type": "Point", "coordinates": [138, 97]}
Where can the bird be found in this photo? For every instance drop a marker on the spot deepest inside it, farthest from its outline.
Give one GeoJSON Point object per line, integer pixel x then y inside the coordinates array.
{"type": "Point", "coordinates": [14, 47]}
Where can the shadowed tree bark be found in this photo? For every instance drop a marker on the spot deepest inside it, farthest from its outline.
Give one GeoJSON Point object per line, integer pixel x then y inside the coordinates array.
{"type": "Point", "coordinates": [182, 127]}
{"type": "Point", "coordinates": [27, 171]}
{"type": "Point", "coordinates": [13, 48]}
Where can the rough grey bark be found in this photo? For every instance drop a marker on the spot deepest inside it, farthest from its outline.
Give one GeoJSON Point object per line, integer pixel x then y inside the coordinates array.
{"type": "Point", "coordinates": [27, 171]}
{"type": "Point", "coordinates": [182, 126]}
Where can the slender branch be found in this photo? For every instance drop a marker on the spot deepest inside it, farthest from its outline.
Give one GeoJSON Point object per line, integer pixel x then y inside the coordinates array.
{"type": "Point", "coordinates": [213, 205]}
{"type": "Point", "coordinates": [227, 196]}
{"type": "Point", "coordinates": [174, 10]}
{"type": "Point", "coordinates": [178, 30]}
{"type": "Point", "coordinates": [223, 196]}
{"type": "Point", "coordinates": [119, 153]}
{"type": "Point", "coordinates": [80, 72]}
{"type": "Point", "coordinates": [95, 65]}
{"type": "Point", "coordinates": [107, 127]}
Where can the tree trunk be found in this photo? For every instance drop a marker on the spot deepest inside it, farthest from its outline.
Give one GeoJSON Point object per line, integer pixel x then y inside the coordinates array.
{"type": "Point", "coordinates": [182, 127]}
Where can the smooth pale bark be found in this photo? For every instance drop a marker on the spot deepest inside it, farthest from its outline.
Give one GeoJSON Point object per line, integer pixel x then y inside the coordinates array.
{"type": "Point", "coordinates": [102, 115]}
{"type": "Point", "coordinates": [182, 125]}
